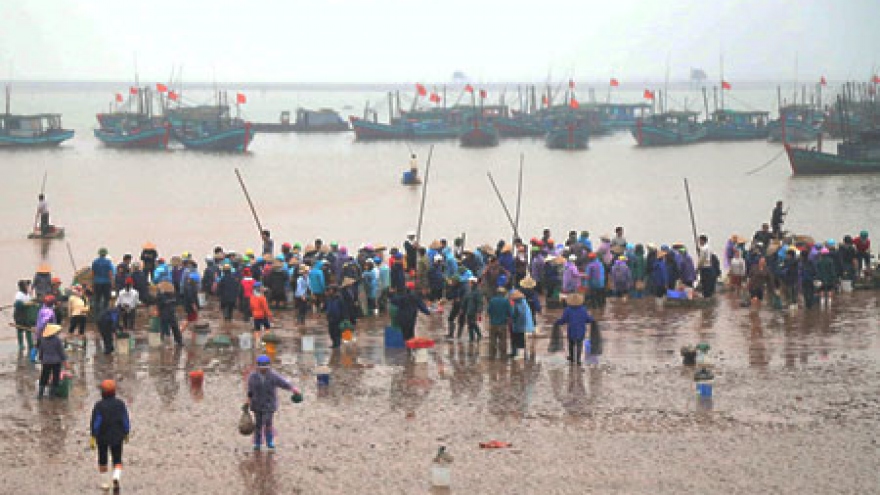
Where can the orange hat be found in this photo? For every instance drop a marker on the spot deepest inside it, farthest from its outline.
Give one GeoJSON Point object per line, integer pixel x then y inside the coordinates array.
{"type": "Point", "coordinates": [56, 280]}
{"type": "Point", "coordinates": [108, 387]}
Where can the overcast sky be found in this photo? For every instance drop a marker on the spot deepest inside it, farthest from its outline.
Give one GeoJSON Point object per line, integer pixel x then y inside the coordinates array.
{"type": "Point", "coordinates": [400, 41]}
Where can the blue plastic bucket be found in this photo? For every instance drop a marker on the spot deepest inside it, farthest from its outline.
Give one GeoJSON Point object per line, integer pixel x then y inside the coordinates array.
{"type": "Point", "coordinates": [323, 379]}
{"type": "Point", "coordinates": [394, 338]}
{"type": "Point", "coordinates": [704, 389]}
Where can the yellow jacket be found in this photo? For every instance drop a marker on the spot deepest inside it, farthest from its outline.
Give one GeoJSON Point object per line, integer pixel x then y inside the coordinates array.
{"type": "Point", "coordinates": [76, 306]}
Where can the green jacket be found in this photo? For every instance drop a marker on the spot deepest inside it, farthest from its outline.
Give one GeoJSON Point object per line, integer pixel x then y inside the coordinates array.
{"type": "Point", "coordinates": [473, 302]}
{"type": "Point", "coordinates": [500, 311]}
{"type": "Point", "coordinates": [826, 272]}
{"type": "Point", "coordinates": [637, 267]}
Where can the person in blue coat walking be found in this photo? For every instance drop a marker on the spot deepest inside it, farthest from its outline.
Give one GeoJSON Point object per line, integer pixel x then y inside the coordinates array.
{"type": "Point", "coordinates": [262, 398]}
{"type": "Point", "coordinates": [576, 317]}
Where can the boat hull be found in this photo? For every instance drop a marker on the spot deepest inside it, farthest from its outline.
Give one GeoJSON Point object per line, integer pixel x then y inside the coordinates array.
{"type": "Point", "coordinates": [155, 138]}
{"type": "Point", "coordinates": [811, 162]}
{"type": "Point", "coordinates": [55, 233]}
{"type": "Point", "coordinates": [735, 132]}
{"type": "Point", "coordinates": [236, 139]}
{"type": "Point", "coordinates": [650, 135]}
{"type": "Point", "coordinates": [795, 132]}
{"type": "Point", "coordinates": [365, 130]}
{"type": "Point", "coordinates": [279, 128]}
{"type": "Point", "coordinates": [567, 139]}
{"type": "Point", "coordinates": [48, 139]}
{"type": "Point", "coordinates": [518, 128]}
{"type": "Point", "coordinates": [479, 137]}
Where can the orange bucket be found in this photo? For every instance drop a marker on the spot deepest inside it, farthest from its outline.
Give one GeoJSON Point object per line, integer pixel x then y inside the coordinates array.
{"type": "Point", "coordinates": [196, 378]}
{"type": "Point", "coordinates": [347, 336]}
{"type": "Point", "coordinates": [271, 348]}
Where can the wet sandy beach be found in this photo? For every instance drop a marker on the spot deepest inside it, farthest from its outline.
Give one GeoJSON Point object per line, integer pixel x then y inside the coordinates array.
{"type": "Point", "coordinates": [795, 410]}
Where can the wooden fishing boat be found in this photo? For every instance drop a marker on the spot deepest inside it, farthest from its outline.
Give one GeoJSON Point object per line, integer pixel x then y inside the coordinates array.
{"type": "Point", "coordinates": [737, 125]}
{"type": "Point", "coordinates": [568, 137]}
{"type": "Point", "coordinates": [479, 134]}
{"type": "Point", "coordinates": [151, 136]}
{"type": "Point", "coordinates": [796, 123]}
{"type": "Point", "coordinates": [860, 155]}
{"type": "Point", "coordinates": [32, 131]}
{"type": "Point", "coordinates": [210, 128]}
{"type": "Point", "coordinates": [621, 116]}
{"type": "Point", "coordinates": [307, 121]}
{"type": "Point", "coordinates": [53, 233]}
{"type": "Point", "coordinates": [669, 129]}
{"type": "Point", "coordinates": [522, 125]}
{"type": "Point", "coordinates": [366, 130]}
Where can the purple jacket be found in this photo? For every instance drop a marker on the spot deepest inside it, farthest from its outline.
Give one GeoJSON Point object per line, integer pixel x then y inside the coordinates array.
{"type": "Point", "coordinates": [621, 276]}
{"type": "Point", "coordinates": [537, 269]}
{"type": "Point", "coordinates": [44, 317]}
{"type": "Point", "coordinates": [596, 274]}
{"type": "Point", "coordinates": [571, 277]}
{"type": "Point", "coordinates": [263, 390]}
{"type": "Point", "coordinates": [686, 267]}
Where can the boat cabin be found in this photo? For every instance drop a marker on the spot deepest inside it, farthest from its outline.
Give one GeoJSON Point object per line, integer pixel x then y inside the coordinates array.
{"type": "Point", "coordinates": [756, 118]}
{"type": "Point", "coordinates": [29, 126]}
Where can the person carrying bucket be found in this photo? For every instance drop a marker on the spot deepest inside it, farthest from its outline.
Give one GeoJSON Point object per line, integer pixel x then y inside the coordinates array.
{"type": "Point", "coordinates": [262, 400]}
{"type": "Point", "coordinates": [109, 428]}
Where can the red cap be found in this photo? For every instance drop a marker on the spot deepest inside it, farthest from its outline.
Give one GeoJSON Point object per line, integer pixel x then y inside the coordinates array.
{"type": "Point", "coordinates": [56, 280]}
{"type": "Point", "coordinates": [246, 272]}
{"type": "Point", "coordinates": [108, 387]}
{"type": "Point", "coordinates": [50, 299]}
{"type": "Point", "coordinates": [410, 285]}
{"type": "Point", "coordinates": [286, 245]}
{"type": "Point", "coordinates": [591, 255]}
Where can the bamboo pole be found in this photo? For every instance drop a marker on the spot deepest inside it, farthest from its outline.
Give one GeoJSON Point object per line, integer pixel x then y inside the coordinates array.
{"type": "Point", "coordinates": [250, 203]}
{"type": "Point", "coordinates": [687, 191]}
{"type": "Point", "coordinates": [503, 204]}
{"type": "Point", "coordinates": [424, 194]}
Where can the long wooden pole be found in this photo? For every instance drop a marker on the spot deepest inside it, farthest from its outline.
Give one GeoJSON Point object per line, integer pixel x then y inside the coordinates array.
{"type": "Point", "coordinates": [503, 204]}
{"type": "Point", "coordinates": [687, 191]}
{"type": "Point", "coordinates": [70, 254]}
{"type": "Point", "coordinates": [519, 194]}
{"type": "Point", "coordinates": [424, 194]}
{"type": "Point", "coordinates": [250, 203]}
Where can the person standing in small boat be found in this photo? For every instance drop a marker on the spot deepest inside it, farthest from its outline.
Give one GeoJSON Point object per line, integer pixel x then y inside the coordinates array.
{"type": "Point", "coordinates": [43, 213]}
{"type": "Point", "coordinates": [777, 219]}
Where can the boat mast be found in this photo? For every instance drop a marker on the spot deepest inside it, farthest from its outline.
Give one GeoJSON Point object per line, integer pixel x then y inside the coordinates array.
{"type": "Point", "coordinates": [721, 58]}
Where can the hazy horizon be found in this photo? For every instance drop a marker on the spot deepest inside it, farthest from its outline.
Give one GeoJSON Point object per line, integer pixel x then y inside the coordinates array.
{"type": "Point", "coordinates": [398, 42]}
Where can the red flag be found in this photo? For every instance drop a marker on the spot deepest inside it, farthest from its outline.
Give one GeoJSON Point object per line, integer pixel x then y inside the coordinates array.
{"type": "Point", "coordinates": [421, 90]}
{"type": "Point", "coordinates": [161, 88]}
{"type": "Point", "coordinates": [823, 82]}
{"type": "Point", "coordinates": [482, 93]}
{"type": "Point", "coordinates": [119, 97]}
{"type": "Point", "coordinates": [469, 88]}
{"type": "Point", "coordinates": [172, 95]}
{"type": "Point", "coordinates": [571, 83]}
{"type": "Point", "coordinates": [876, 80]}
{"type": "Point", "coordinates": [725, 85]}
{"type": "Point", "coordinates": [574, 103]}
{"type": "Point", "coordinates": [435, 98]}
{"type": "Point", "coordinates": [649, 95]}
{"type": "Point", "coordinates": [614, 82]}
{"type": "Point", "coordinates": [544, 100]}
{"type": "Point", "coordinates": [240, 98]}
{"type": "Point", "coordinates": [133, 90]}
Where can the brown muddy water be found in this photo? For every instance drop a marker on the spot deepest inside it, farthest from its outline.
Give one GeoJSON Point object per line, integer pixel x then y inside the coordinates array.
{"type": "Point", "coordinates": [795, 410]}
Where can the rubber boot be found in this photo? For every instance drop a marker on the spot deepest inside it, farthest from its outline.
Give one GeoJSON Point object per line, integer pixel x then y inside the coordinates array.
{"type": "Point", "coordinates": [117, 477]}
{"type": "Point", "coordinates": [270, 440]}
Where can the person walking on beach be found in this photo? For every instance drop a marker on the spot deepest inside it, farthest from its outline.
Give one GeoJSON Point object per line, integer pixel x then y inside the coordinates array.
{"type": "Point", "coordinates": [19, 315]}
{"type": "Point", "coordinates": [260, 311]}
{"type": "Point", "coordinates": [500, 313]}
{"type": "Point", "coordinates": [575, 315]}
{"type": "Point", "coordinates": [228, 290]}
{"type": "Point", "coordinates": [109, 427]}
{"type": "Point", "coordinates": [190, 299]}
{"type": "Point", "coordinates": [408, 306]}
{"type": "Point", "coordinates": [52, 357]}
{"type": "Point", "coordinates": [708, 271]}
{"type": "Point", "coordinates": [301, 294]}
{"type": "Point", "coordinates": [262, 399]}
{"type": "Point", "coordinates": [473, 309]}
{"type": "Point", "coordinates": [521, 322]}
{"type": "Point", "coordinates": [167, 304]}
{"type": "Point", "coordinates": [127, 301]}
{"type": "Point", "coordinates": [149, 256]}
{"type": "Point", "coordinates": [77, 310]}
{"type": "Point", "coordinates": [102, 270]}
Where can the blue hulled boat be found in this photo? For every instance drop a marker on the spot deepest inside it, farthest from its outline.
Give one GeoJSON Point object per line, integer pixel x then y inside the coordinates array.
{"type": "Point", "coordinates": [366, 130]}
{"type": "Point", "coordinates": [210, 128]}
{"type": "Point", "coordinates": [737, 125]}
{"type": "Point", "coordinates": [669, 128]}
{"type": "Point", "coordinates": [155, 137]}
{"type": "Point", "coordinates": [32, 130]}
{"type": "Point", "coordinates": [860, 155]}
{"type": "Point", "coordinates": [796, 123]}
{"type": "Point", "coordinates": [522, 125]}
{"type": "Point", "coordinates": [568, 137]}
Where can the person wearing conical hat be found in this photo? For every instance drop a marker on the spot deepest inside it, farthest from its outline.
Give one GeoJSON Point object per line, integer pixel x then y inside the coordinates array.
{"type": "Point", "coordinates": [52, 356]}
{"type": "Point", "coordinates": [149, 257]}
{"type": "Point", "coordinates": [42, 284]}
{"type": "Point", "coordinates": [575, 315]}
{"type": "Point", "coordinates": [109, 427]}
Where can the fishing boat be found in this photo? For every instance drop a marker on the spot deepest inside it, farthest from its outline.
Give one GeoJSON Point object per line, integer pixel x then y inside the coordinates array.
{"type": "Point", "coordinates": [860, 155]}
{"type": "Point", "coordinates": [146, 135]}
{"type": "Point", "coordinates": [520, 125]}
{"type": "Point", "coordinates": [669, 128]}
{"type": "Point", "coordinates": [568, 137]}
{"type": "Point", "coordinates": [621, 116]}
{"type": "Point", "coordinates": [796, 123]}
{"type": "Point", "coordinates": [317, 121]}
{"type": "Point", "coordinates": [737, 125]}
{"type": "Point", "coordinates": [479, 134]}
{"type": "Point", "coordinates": [39, 130]}
{"type": "Point", "coordinates": [53, 233]}
{"type": "Point", "coordinates": [210, 128]}
{"type": "Point", "coordinates": [366, 130]}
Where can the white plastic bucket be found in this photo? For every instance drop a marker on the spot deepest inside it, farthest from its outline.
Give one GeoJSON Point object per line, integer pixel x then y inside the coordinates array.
{"type": "Point", "coordinates": [308, 343]}
{"type": "Point", "coordinates": [420, 355]}
{"type": "Point", "coordinates": [154, 339]}
{"type": "Point", "coordinates": [202, 338]}
{"type": "Point", "coordinates": [846, 285]}
{"type": "Point", "coordinates": [441, 475]}
{"type": "Point", "coordinates": [203, 299]}
{"type": "Point", "coordinates": [660, 302]}
{"type": "Point", "coordinates": [245, 341]}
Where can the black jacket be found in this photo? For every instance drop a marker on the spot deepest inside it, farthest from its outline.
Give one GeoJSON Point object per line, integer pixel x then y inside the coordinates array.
{"type": "Point", "coordinates": [109, 423]}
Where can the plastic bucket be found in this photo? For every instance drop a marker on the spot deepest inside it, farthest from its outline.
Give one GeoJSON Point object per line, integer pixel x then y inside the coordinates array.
{"type": "Point", "coordinates": [124, 344]}
{"type": "Point", "coordinates": [394, 338]}
{"type": "Point", "coordinates": [441, 475]}
{"type": "Point", "coordinates": [846, 285]}
{"type": "Point", "coordinates": [245, 341]}
{"type": "Point", "coordinates": [704, 389]}
{"type": "Point", "coordinates": [203, 299]}
{"type": "Point", "coordinates": [196, 378]}
{"type": "Point", "coordinates": [659, 302]}
{"type": "Point", "coordinates": [202, 338]}
{"type": "Point", "coordinates": [308, 343]}
{"type": "Point", "coordinates": [154, 339]}
{"type": "Point", "coordinates": [347, 335]}
{"type": "Point", "coordinates": [63, 389]}
{"type": "Point", "coordinates": [323, 379]}
{"type": "Point", "coordinates": [420, 355]}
